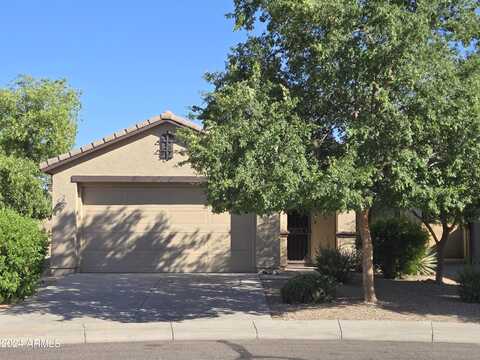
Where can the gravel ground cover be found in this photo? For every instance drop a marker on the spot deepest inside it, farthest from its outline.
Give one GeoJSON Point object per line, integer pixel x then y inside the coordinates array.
{"type": "Point", "coordinates": [413, 298]}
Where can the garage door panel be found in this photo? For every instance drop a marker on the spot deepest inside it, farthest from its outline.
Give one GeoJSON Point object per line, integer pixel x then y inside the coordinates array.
{"type": "Point", "coordinates": [145, 261]}
{"type": "Point", "coordinates": [218, 243]}
{"type": "Point", "coordinates": [152, 227]}
{"type": "Point", "coordinates": [166, 241]}
{"type": "Point", "coordinates": [125, 225]}
{"type": "Point", "coordinates": [129, 229]}
{"type": "Point", "coordinates": [154, 216]}
{"type": "Point", "coordinates": [130, 195]}
{"type": "Point", "coordinates": [125, 243]}
{"type": "Point", "coordinates": [175, 221]}
{"type": "Point", "coordinates": [99, 196]}
{"type": "Point", "coordinates": [220, 219]}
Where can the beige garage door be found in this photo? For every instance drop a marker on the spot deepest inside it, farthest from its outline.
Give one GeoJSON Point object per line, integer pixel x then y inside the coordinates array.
{"type": "Point", "coordinates": [161, 228]}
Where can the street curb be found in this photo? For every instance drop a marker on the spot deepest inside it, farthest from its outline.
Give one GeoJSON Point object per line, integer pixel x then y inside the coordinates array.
{"type": "Point", "coordinates": [212, 329]}
{"type": "Point", "coordinates": [77, 332]}
{"type": "Point", "coordinates": [419, 331]}
{"type": "Point", "coordinates": [455, 332]}
{"type": "Point", "coordinates": [298, 330]}
{"type": "Point", "coordinates": [127, 332]}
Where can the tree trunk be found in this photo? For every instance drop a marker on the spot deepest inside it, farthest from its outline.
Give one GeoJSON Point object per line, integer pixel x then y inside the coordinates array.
{"type": "Point", "coordinates": [441, 245]}
{"type": "Point", "coordinates": [367, 258]}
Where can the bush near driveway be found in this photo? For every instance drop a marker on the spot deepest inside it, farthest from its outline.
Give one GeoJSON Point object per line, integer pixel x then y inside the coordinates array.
{"type": "Point", "coordinates": [398, 244]}
{"type": "Point", "coordinates": [336, 263]}
{"type": "Point", "coordinates": [469, 289]}
{"type": "Point", "coordinates": [23, 246]}
{"type": "Point", "coordinates": [309, 288]}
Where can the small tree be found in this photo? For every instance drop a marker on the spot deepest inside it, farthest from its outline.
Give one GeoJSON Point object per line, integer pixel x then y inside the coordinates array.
{"type": "Point", "coordinates": [38, 118]}
{"type": "Point", "coordinates": [446, 187]}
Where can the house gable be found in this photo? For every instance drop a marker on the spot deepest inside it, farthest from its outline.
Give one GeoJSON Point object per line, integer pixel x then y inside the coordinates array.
{"type": "Point", "coordinates": [132, 148]}
{"type": "Point", "coordinates": [137, 155]}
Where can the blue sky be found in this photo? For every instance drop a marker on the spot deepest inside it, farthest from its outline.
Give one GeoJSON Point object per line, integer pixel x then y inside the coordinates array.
{"type": "Point", "coordinates": [130, 59]}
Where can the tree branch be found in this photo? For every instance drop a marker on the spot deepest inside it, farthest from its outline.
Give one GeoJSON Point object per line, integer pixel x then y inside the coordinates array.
{"type": "Point", "coordinates": [427, 225]}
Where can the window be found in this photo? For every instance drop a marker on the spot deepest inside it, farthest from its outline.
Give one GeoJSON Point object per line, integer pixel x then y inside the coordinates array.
{"type": "Point", "coordinates": [166, 145]}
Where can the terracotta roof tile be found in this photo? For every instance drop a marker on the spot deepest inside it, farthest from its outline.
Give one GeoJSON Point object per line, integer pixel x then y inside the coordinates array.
{"type": "Point", "coordinates": [74, 152]}
{"type": "Point", "coordinates": [108, 138]}
{"type": "Point", "coordinates": [98, 143]}
{"type": "Point", "coordinates": [86, 147]}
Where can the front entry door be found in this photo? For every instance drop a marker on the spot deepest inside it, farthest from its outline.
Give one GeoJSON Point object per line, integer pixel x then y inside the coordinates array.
{"type": "Point", "coordinates": [298, 225]}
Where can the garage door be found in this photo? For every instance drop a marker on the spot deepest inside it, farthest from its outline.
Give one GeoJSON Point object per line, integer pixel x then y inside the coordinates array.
{"type": "Point", "coordinates": [161, 228]}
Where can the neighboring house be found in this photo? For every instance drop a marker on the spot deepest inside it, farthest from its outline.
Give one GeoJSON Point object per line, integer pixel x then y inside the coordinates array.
{"type": "Point", "coordinates": [123, 204]}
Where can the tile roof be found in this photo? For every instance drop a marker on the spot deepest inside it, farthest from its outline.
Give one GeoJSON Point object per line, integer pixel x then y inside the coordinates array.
{"type": "Point", "coordinates": [166, 117]}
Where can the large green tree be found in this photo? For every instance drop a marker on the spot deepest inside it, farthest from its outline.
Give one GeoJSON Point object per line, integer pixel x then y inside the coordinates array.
{"type": "Point", "coordinates": [38, 118]}
{"type": "Point", "coordinates": [317, 111]}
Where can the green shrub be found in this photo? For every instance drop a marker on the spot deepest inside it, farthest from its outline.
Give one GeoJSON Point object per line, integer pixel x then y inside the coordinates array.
{"type": "Point", "coordinates": [425, 263]}
{"type": "Point", "coordinates": [23, 247]}
{"type": "Point", "coordinates": [336, 263]}
{"type": "Point", "coordinates": [22, 187]}
{"type": "Point", "coordinates": [309, 288]}
{"type": "Point", "coordinates": [469, 289]}
{"type": "Point", "coordinates": [398, 243]}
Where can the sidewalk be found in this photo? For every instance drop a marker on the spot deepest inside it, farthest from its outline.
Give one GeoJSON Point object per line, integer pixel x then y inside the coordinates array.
{"type": "Point", "coordinates": [79, 332]}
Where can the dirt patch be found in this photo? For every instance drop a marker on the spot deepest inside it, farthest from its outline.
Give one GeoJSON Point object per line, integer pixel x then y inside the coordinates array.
{"type": "Point", "coordinates": [407, 299]}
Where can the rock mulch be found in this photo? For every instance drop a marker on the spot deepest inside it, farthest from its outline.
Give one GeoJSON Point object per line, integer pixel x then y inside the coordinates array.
{"type": "Point", "coordinates": [415, 298]}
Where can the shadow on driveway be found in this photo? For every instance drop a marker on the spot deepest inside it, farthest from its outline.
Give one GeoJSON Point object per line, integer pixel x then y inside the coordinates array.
{"type": "Point", "coordinates": [148, 298]}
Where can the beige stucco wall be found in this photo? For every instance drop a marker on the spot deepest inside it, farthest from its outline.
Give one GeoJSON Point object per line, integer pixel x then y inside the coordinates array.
{"type": "Point", "coordinates": [455, 248]}
{"type": "Point", "coordinates": [330, 231]}
{"type": "Point", "coordinates": [346, 222]}
{"type": "Point", "coordinates": [323, 233]}
{"type": "Point", "coordinates": [346, 230]}
{"type": "Point", "coordinates": [268, 241]}
{"type": "Point", "coordinates": [135, 156]}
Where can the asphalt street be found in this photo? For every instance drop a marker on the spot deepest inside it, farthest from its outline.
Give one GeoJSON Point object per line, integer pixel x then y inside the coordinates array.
{"type": "Point", "coordinates": [274, 349]}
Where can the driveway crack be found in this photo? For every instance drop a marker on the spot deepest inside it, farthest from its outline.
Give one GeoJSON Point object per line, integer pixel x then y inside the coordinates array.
{"type": "Point", "coordinates": [84, 333]}
{"type": "Point", "coordinates": [431, 328]}
{"type": "Point", "coordinates": [256, 330]}
{"type": "Point", "coordinates": [147, 296]}
{"type": "Point", "coordinates": [171, 329]}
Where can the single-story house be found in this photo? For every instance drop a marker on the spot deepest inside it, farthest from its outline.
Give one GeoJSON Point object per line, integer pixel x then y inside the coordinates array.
{"type": "Point", "coordinates": [124, 204]}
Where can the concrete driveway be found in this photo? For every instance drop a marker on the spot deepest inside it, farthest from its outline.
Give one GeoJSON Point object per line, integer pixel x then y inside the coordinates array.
{"type": "Point", "coordinates": [140, 298]}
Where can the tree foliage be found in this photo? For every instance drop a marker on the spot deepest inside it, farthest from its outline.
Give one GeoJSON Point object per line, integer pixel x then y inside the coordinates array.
{"type": "Point", "coordinates": [38, 118]}
{"type": "Point", "coordinates": [259, 159]}
{"type": "Point", "coordinates": [22, 187]}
